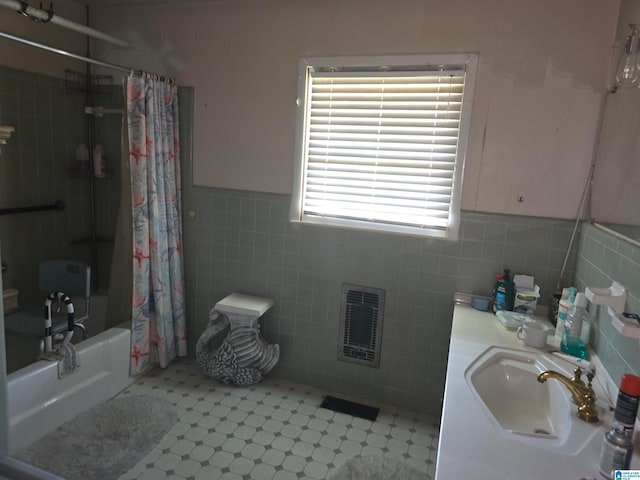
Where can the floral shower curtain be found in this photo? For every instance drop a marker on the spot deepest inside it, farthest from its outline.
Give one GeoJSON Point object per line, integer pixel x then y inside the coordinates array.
{"type": "Point", "coordinates": [158, 332]}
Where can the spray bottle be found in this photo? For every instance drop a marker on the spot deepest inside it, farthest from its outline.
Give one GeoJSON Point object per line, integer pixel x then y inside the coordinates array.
{"type": "Point", "coordinates": [617, 447]}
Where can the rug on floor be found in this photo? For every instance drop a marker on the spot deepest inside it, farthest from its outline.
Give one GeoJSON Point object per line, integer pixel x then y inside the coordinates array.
{"type": "Point", "coordinates": [105, 441]}
{"type": "Point", "coordinates": [376, 468]}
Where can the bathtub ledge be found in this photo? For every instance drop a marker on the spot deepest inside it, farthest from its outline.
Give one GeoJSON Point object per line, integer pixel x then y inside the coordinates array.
{"type": "Point", "coordinates": [13, 469]}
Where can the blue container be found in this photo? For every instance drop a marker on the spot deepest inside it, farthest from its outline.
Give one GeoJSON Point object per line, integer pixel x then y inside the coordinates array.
{"type": "Point", "coordinates": [481, 304]}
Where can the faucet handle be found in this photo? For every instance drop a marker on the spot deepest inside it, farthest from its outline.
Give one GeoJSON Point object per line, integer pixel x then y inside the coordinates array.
{"type": "Point", "coordinates": [577, 375]}
{"type": "Point", "coordinates": [587, 410]}
{"type": "Point", "coordinates": [590, 376]}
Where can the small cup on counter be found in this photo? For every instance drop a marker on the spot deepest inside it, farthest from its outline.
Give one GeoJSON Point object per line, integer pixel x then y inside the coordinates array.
{"type": "Point", "coordinates": [533, 334]}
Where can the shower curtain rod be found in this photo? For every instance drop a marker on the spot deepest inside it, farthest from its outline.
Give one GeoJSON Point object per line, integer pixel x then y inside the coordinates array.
{"type": "Point", "coordinates": [45, 16]}
{"type": "Point", "coordinates": [64, 52]}
{"type": "Point", "coordinates": [111, 66]}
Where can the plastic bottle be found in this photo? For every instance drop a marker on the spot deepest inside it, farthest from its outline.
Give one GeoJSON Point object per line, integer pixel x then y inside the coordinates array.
{"type": "Point", "coordinates": [628, 401]}
{"type": "Point", "coordinates": [99, 162]}
{"type": "Point", "coordinates": [495, 285]}
{"type": "Point", "coordinates": [617, 449]}
{"type": "Point", "coordinates": [82, 160]}
{"type": "Point", "coordinates": [577, 327]}
{"type": "Point", "coordinates": [504, 292]}
{"type": "Point", "coordinates": [617, 446]}
{"type": "Point", "coordinates": [566, 301]}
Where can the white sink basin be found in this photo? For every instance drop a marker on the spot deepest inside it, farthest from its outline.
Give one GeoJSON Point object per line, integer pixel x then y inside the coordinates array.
{"type": "Point", "coordinates": [505, 383]}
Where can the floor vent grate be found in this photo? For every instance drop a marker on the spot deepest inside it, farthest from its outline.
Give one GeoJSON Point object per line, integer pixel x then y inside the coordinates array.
{"type": "Point", "coordinates": [350, 408]}
{"type": "Point", "coordinates": [361, 314]}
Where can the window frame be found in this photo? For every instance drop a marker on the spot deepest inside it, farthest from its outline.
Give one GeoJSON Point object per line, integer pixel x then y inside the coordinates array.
{"type": "Point", "coordinates": [382, 62]}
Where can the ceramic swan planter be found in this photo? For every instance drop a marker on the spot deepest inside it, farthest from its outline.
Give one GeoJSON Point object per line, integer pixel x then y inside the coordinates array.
{"type": "Point", "coordinates": [244, 356]}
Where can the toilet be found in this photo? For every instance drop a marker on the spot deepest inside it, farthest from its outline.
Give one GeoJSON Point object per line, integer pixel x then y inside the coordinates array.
{"type": "Point", "coordinates": [244, 356]}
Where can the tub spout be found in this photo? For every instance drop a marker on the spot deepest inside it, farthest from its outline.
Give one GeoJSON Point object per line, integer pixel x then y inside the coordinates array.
{"type": "Point", "coordinates": [581, 394]}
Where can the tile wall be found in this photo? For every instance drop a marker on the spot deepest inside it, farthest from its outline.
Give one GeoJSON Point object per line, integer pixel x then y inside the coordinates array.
{"type": "Point", "coordinates": [243, 241]}
{"type": "Point", "coordinates": [50, 123]}
{"type": "Point", "coordinates": [239, 241]}
{"type": "Point", "coordinates": [603, 258]}
{"type": "Point", "coordinates": [630, 231]}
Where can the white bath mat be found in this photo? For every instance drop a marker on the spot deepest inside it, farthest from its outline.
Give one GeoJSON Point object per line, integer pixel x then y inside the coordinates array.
{"type": "Point", "coordinates": [377, 468]}
{"type": "Point", "coordinates": [104, 442]}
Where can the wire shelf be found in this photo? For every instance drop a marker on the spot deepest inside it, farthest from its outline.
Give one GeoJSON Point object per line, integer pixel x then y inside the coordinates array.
{"type": "Point", "coordinates": [78, 81]}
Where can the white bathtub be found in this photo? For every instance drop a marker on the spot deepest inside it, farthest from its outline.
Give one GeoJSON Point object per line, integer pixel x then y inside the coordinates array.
{"type": "Point", "coordinates": [22, 350]}
{"type": "Point", "coordinates": [39, 402]}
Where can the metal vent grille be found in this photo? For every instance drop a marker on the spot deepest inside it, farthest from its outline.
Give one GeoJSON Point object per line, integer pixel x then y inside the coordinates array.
{"type": "Point", "coordinates": [361, 314]}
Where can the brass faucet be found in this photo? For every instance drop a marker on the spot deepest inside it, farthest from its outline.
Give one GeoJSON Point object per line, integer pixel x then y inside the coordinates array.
{"type": "Point", "coordinates": [581, 394]}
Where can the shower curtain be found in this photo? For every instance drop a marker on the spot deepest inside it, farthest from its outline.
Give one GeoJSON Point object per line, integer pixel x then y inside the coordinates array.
{"type": "Point", "coordinates": [158, 332]}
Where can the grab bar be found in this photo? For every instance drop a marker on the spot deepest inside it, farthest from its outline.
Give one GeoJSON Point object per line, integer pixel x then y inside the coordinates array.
{"type": "Point", "coordinates": [58, 205]}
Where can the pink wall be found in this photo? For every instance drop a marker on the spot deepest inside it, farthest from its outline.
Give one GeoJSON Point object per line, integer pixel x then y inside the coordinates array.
{"type": "Point", "coordinates": [540, 82]}
{"type": "Point", "coordinates": [617, 174]}
{"type": "Point", "coordinates": [23, 57]}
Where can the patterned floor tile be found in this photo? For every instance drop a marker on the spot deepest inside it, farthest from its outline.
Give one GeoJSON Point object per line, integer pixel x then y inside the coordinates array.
{"type": "Point", "coordinates": [274, 430]}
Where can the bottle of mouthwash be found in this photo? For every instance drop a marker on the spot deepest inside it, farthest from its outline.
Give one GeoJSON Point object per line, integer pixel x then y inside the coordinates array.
{"type": "Point", "coordinates": [504, 292]}
{"type": "Point", "coordinates": [566, 301]}
{"type": "Point", "coordinates": [577, 326]}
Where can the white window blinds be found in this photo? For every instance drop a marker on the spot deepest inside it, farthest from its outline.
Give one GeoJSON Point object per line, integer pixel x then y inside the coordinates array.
{"type": "Point", "coordinates": [381, 149]}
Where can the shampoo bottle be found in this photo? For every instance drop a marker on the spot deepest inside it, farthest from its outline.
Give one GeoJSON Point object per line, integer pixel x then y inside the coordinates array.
{"type": "Point", "coordinates": [577, 327]}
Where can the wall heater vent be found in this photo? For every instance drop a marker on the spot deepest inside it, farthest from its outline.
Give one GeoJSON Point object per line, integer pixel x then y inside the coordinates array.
{"type": "Point", "coordinates": [361, 314]}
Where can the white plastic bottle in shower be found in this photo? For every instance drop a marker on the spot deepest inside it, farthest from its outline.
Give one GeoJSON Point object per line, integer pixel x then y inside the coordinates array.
{"type": "Point", "coordinates": [82, 160]}
{"type": "Point", "coordinates": [99, 162]}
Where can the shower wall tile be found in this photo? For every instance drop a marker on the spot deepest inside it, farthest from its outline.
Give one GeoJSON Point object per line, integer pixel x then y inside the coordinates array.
{"type": "Point", "coordinates": [50, 123]}
{"type": "Point", "coordinates": [603, 258]}
{"type": "Point", "coordinates": [28, 176]}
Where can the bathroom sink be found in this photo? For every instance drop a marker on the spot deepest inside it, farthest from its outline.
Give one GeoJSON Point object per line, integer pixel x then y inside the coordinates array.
{"type": "Point", "coordinates": [505, 384]}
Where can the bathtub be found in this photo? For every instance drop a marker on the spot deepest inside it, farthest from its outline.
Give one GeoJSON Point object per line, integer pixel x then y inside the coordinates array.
{"type": "Point", "coordinates": [39, 402]}
{"type": "Point", "coordinates": [21, 350]}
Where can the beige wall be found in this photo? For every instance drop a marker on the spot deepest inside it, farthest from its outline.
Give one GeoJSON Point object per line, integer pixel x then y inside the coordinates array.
{"type": "Point", "coordinates": [23, 57]}
{"type": "Point", "coordinates": [541, 76]}
{"type": "Point", "coordinates": [616, 187]}
{"type": "Point", "coordinates": [536, 101]}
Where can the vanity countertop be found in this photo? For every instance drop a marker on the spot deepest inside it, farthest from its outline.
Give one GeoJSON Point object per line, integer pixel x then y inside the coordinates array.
{"type": "Point", "coordinates": [470, 446]}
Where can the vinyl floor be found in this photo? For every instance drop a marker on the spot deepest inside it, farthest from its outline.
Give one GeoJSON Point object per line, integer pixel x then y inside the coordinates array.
{"type": "Point", "coordinates": [274, 430]}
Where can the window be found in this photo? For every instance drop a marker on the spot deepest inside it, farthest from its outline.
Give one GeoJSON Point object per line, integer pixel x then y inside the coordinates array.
{"type": "Point", "coordinates": [380, 142]}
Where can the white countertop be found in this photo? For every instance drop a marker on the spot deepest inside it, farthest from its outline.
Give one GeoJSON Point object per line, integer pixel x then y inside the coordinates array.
{"type": "Point", "coordinates": [470, 445]}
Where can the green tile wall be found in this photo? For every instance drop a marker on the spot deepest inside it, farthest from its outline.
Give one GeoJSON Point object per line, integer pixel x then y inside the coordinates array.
{"type": "Point", "coordinates": [603, 258]}
{"type": "Point", "coordinates": [243, 241]}
{"type": "Point", "coordinates": [629, 231]}
{"type": "Point", "coordinates": [240, 241]}
{"type": "Point", "coordinates": [50, 123]}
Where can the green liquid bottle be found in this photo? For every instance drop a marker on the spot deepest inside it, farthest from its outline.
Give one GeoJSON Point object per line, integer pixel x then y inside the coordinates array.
{"type": "Point", "coordinates": [577, 326]}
